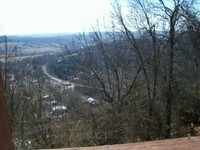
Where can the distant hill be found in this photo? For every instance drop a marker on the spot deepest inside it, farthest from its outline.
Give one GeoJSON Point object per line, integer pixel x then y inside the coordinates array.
{"type": "Point", "coordinates": [38, 43]}
{"type": "Point", "coordinates": [46, 38]}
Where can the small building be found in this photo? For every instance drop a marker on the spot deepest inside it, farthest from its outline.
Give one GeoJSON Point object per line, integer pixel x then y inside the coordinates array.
{"type": "Point", "coordinates": [59, 110]}
{"type": "Point", "coordinates": [92, 100]}
{"type": "Point", "coordinates": [45, 96]}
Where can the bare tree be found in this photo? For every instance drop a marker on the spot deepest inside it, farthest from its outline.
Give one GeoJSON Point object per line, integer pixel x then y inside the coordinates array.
{"type": "Point", "coordinates": [164, 33]}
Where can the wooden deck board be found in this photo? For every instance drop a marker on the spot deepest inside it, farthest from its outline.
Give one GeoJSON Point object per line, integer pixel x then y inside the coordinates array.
{"type": "Point", "coordinates": [172, 144]}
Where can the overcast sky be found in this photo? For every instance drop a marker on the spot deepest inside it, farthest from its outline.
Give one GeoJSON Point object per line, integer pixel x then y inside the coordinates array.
{"type": "Point", "coordinates": [50, 16]}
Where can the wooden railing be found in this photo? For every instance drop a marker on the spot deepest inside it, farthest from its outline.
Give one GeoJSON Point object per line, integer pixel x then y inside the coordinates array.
{"type": "Point", "coordinates": [5, 130]}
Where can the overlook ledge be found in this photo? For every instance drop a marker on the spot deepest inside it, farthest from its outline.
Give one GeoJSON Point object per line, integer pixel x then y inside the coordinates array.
{"type": "Point", "coordinates": [170, 144]}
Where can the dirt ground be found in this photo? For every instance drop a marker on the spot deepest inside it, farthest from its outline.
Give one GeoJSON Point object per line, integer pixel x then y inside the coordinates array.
{"type": "Point", "coordinates": [172, 144]}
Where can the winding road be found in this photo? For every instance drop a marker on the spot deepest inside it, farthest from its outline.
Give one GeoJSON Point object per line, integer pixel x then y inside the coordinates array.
{"type": "Point", "coordinates": [59, 82]}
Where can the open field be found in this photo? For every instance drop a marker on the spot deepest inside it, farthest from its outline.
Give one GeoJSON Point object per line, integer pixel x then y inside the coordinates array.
{"type": "Point", "coordinates": [171, 144]}
{"type": "Point", "coordinates": [24, 51]}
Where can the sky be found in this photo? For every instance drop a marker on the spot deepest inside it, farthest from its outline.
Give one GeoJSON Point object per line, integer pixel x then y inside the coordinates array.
{"type": "Point", "coordinates": [19, 17]}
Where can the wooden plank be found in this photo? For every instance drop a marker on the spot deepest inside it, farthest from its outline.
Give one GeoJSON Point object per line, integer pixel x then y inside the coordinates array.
{"type": "Point", "coordinates": [5, 131]}
{"type": "Point", "coordinates": [171, 144]}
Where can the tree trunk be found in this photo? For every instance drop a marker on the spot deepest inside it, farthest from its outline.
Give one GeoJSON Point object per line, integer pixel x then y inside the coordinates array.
{"type": "Point", "coordinates": [170, 94]}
